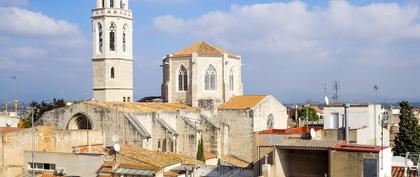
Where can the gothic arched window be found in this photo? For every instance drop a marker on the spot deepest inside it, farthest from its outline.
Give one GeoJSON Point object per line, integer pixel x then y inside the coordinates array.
{"type": "Point", "coordinates": [111, 4]}
{"type": "Point", "coordinates": [231, 80]}
{"type": "Point", "coordinates": [124, 38]}
{"type": "Point", "coordinates": [210, 78]}
{"type": "Point", "coordinates": [101, 38]}
{"type": "Point", "coordinates": [122, 4]}
{"type": "Point", "coordinates": [112, 37]}
{"type": "Point", "coordinates": [103, 3]}
{"type": "Point", "coordinates": [112, 73]}
{"type": "Point", "coordinates": [270, 121]}
{"type": "Point", "coordinates": [182, 79]}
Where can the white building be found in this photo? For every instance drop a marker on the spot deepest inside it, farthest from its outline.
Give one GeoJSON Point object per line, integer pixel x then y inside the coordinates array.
{"type": "Point", "coordinates": [9, 119]}
{"type": "Point", "coordinates": [364, 119]}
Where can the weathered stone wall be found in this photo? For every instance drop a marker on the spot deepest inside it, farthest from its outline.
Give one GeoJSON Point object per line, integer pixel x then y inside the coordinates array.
{"type": "Point", "coordinates": [240, 134]}
{"type": "Point", "coordinates": [47, 139]}
{"type": "Point", "coordinates": [109, 122]}
{"type": "Point", "coordinates": [269, 106]}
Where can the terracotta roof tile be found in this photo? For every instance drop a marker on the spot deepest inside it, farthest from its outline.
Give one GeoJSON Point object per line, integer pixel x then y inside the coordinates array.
{"type": "Point", "coordinates": [9, 129]}
{"type": "Point", "coordinates": [209, 155]}
{"type": "Point", "coordinates": [141, 107]}
{"type": "Point", "coordinates": [170, 174]}
{"type": "Point", "coordinates": [159, 159]}
{"type": "Point", "coordinates": [235, 161]}
{"type": "Point", "coordinates": [297, 130]}
{"type": "Point", "coordinates": [399, 172]}
{"type": "Point", "coordinates": [241, 102]}
{"type": "Point", "coordinates": [203, 49]}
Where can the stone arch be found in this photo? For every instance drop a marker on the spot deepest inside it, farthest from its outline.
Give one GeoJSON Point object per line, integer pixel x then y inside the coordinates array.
{"type": "Point", "coordinates": [80, 121]}
{"type": "Point", "coordinates": [270, 121]}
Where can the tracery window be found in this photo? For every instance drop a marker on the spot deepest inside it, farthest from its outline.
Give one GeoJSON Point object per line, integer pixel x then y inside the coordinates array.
{"type": "Point", "coordinates": [101, 38]}
{"type": "Point", "coordinates": [270, 121]}
{"type": "Point", "coordinates": [182, 79]}
{"type": "Point", "coordinates": [210, 78]}
{"type": "Point", "coordinates": [124, 38]}
{"type": "Point", "coordinates": [231, 80]}
{"type": "Point", "coordinates": [111, 4]}
{"type": "Point", "coordinates": [112, 37]}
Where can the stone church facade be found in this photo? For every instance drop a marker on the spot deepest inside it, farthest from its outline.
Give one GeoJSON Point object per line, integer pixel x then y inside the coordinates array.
{"type": "Point", "coordinates": [202, 95]}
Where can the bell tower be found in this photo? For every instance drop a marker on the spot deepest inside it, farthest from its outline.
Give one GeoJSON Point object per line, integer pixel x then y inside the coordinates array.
{"type": "Point", "coordinates": [112, 23]}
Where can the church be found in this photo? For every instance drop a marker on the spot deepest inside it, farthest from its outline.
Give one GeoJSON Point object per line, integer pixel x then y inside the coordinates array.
{"type": "Point", "coordinates": [202, 96]}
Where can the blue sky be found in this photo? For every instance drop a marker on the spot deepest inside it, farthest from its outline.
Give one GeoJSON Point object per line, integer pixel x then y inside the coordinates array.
{"type": "Point", "coordinates": [289, 48]}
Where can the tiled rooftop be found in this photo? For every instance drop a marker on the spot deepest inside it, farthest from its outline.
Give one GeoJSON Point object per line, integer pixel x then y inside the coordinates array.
{"type": "Point", "coordinates": [298, 130]}
{"type": "Point", "coordinates": [209, 155]}
{"type": "Point", "coordinates": [399, 172]}
{"type": "Point", "coordinates": [159, 159]}
{"type": "Point", "coordinates": [9, 129]}
{"type": "Point", "coordinates": [235, 161]}
{"type": "Point", "coordinates": [241, 102]}
{"type": "Point", "coordinates": [203, 49]}
{"type": "Point", "coordinates": [141, 107]}
{"type": "Point", "coordinates": [309, 144]}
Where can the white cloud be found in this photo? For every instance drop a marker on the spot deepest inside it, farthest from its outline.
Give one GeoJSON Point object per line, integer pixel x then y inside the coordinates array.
{"type": "Point", "coordinates": [295, 29]}
{"type": "Point", "coordinates": [13, 2]}
{"type": "Point", "coordinates": [359, 45]}
{"type": "Point", "coordinates": [19, 21]}
{"type": "Point", "coordinates": [27, 52]}
{"type": "Point", "coordinates": [163, 1]}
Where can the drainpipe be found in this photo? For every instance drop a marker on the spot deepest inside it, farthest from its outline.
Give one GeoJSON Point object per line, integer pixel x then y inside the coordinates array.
{"type": "Point", "coordinates": [346, 122]}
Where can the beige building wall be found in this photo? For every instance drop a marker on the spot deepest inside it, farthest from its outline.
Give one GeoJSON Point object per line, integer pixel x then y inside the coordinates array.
{"type": "Point", "coordinates": [269, 106]}
{"type": "Point", "coordinates": [47, 138]}
{"type": "Point", "coordinates": [197, 67]}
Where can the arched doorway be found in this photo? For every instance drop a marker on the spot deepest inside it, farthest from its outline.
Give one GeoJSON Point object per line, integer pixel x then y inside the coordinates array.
{"type": "Point", "coordinates": [80, 122]}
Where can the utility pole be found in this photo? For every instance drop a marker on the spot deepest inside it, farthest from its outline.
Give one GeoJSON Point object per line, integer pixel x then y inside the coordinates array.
{"type": "Point", "coordinates": [374, 112]}
{"type": "Point", "coordinates": [33, 143]}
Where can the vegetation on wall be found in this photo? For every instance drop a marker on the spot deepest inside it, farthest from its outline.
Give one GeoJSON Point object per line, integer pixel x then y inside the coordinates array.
{"type": "Point", "coordinates": [38, 109]}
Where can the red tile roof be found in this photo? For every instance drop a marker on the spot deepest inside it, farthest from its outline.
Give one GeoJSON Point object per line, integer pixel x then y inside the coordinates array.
{"type": "Point", "coordinates": [203, 49]}
{"type": "Point", "coordinates": [209, 155]}
{"type": "Point", "coordinates": [358, 148]}
{"type": "Point", "coordinates": [241, 102]}
{"type": "Point", "coordinates": [10, 129]}
{"type": "Point", "coordinates": [399, 172]}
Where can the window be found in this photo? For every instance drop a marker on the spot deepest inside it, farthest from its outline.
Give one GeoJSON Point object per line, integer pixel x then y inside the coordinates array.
{"type": "Point", "coordinates": [270, 121]}
{"type": "Point", "coordinates": [103, 3]}
{"type": "Point", "coordinates": [112, 37]}
{"type": "Point", "coordinates": [124, 99]}
{"type": "Point", "coordinates": [128, 99]}
{"type": "Point", "coordinates": [231, 81]}
{"type": "Point", "coordinates": [41, 166]}
{"type": "Point", "coordinates": [182, 79]}
{"type": "Point", "coordinates": [111, 4]}
{"type": "Point", "coordinates": [112, 73]}
{"type": "Point", "coordinates": [122, 4]}
{"type": "Point", "coordinates": [210, 78]}
{"type": "Point", "coordinates": [100, 36]}
{"type": "Point", "coordinates": [124, 38]}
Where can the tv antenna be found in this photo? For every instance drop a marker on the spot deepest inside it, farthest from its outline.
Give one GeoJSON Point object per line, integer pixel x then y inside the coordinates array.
{"type": "Point", "coordinates": [335, 89]}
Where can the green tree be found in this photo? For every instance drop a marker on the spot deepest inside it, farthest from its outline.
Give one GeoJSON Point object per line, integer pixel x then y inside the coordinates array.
{"type": "Point", "coordinates": [200, 150]}
{"type": "Point", "coordinates": [39, 108]}
{"type": "Point", "coordinates": [408, 137]}
{"type": "Point", "coordinates": [310, 111]}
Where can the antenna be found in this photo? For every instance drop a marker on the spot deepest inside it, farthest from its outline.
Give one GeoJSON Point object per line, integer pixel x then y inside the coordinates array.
{"type": "Point", "coordinates": [336, 89]}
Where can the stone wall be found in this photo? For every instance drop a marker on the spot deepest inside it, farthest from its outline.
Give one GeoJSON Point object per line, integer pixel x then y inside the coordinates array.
{"type": "Point", "coordinates": [109, 122]}
{"type": "Point", "coordinates": [47, 139]}
{"type": "Point", "coordinates": [196, 67]}
{"type": "Point", "coordinates": [269, 106]}
{"type": "Point", "coordinates": [240, 134]}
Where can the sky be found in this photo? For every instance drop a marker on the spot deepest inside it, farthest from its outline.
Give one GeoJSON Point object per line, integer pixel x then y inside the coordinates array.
{"type": "Point", "coordinates": [289, 49]}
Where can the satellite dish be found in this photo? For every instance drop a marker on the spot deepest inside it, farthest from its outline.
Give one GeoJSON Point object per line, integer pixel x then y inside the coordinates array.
{"type": "Point", "coordinates": [115, 138]}
{"type": "Point", "coordinates": [327, 101]}
{"type": "Point", "coordinates": [9, 123]}
{"type": "Point", "coordinates": [313, 133]}
{"type": "Point", "coordinates": [69, 103]}
{"type": "Point", "coordinates": [117, 147]}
